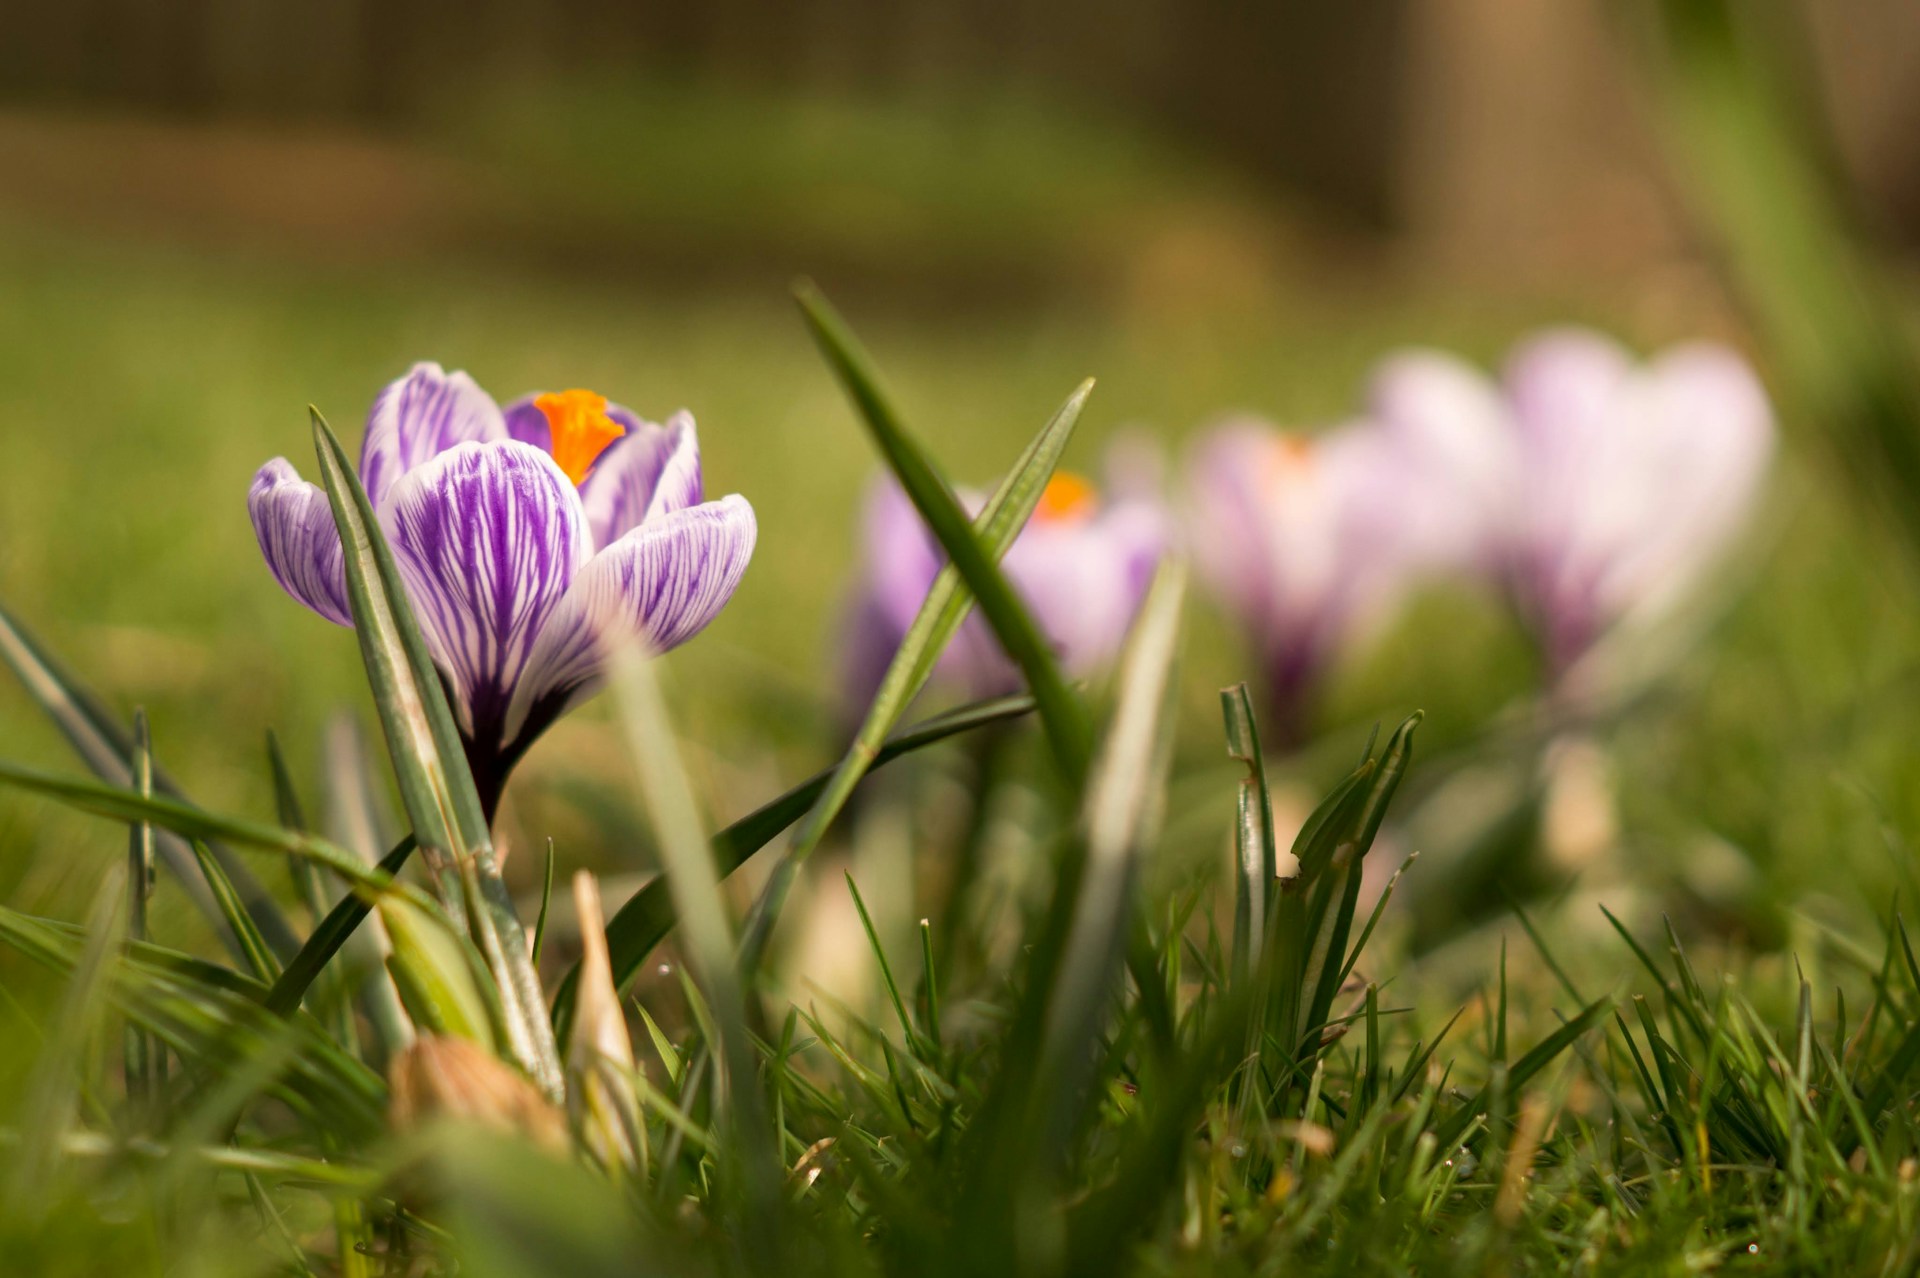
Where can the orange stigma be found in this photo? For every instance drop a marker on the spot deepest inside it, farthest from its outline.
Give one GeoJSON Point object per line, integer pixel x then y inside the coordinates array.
{"type": "Point", "coordinates": [1067, 498]}
{"type": "Point", "coordinates": [581, 429]}
{"type": "Point", "coordinates": [1290, 455]}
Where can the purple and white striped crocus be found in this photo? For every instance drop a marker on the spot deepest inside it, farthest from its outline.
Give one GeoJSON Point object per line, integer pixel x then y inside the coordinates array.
{"type": "Point", "coordinates": [1081, 565]}
{"type": "Point", "coordinates": [1618, 482]}
{"type": "Point", "coordinates": [528, 539]}
{"type": "Point", "coordinates": [1311, 540]}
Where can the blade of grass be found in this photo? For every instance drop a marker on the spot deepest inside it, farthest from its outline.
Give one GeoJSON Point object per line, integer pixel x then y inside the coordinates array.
{"type": "Point", "coordinates": [60, 1069]}
{"type": "Point", "coordinates": [1120, 815]}
{"type": "Point", "coordinates": [140, 1066]}
{"type": "Point", "coordinates": [666, 790]}
{"type": "Point", "coordinates": [1061, 712]}
{"type": "Point", "coordinates": [191, 822]}
{"type": "Point", "coordinates": [103, 746]}
{"type": "Point", "coordinates": [1521, 1071]}
{"type": "Point", "coordinates": [940, 615]}
{"type": "Point", "coordinates": [1255, 858]}
{"type": "Point", "coordinates": [290, 814]}
{"type": "Point", "coordinates": [328, 936]}
{"type": "Point", "coordinates": [649, 914]}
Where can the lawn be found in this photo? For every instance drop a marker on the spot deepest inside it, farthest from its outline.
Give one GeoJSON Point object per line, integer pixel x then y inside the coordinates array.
{"type": "Point", "coordinates": [1758, 791]}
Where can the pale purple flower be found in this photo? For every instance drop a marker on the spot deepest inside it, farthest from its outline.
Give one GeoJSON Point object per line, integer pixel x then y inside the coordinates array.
{"type": "Point", "coordinates": [1618, 483]}
{"type": "Point", "coordinates": [1081, 565]}
{"type": "Point", "coordinates": [528, 540]}
{"type": "Point", "coordinates": [1311, 540]}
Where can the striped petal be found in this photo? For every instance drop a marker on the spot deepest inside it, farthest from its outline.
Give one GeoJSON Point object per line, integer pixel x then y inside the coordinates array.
{"type": "Point", "coordinates": [294, 524]}
{"type": "Point", "coordinates": [490, 537]}
{"type": "Point", "coordinates": [661, 584]}
{"type": "Point", "coordinates": [417, 418]}
{"type": "Point", "coordinates": [651, 470]}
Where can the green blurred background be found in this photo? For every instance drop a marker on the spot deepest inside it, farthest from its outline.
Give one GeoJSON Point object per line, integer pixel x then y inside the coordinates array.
{"type": "Point", "coordinates": [214, 212]}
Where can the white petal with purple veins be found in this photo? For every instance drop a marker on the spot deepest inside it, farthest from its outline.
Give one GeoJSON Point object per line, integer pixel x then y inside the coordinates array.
{"type": "Point", "coordinates": [648, 472]}
{"type": "Point", "coordinates": [417, 418]}
{"type": "Point", "coordinates": [490, 537]}
{"type": "Point", "coordinates": [660, 584]}
{"type": "Point", "coordinates": [294, 523]}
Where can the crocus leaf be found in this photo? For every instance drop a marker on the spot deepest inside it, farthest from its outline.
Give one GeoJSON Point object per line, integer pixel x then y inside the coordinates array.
{"type": "Point", "coordinates": [435, 970]}
{"type": "Point", "coordinates": [103, 745]}
{"type": "Point", "coordinates": [940, 615]}
{"type": "Point", "coordinates": [644, 921]}
{"type": "Point", "coordinates": [429, 760]}
{"type": "Point", "coordinates": [1064, 717]}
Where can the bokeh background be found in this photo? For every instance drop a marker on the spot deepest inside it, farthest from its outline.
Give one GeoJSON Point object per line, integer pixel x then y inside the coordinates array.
{"type": "Point", "coordinates": [214, 212]}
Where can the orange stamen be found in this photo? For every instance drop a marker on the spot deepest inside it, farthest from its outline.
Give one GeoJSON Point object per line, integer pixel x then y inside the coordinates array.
{"type": "Point", "coordinates": [1067, 498]}
{"type": "Point", "coordinates": [581, 429]}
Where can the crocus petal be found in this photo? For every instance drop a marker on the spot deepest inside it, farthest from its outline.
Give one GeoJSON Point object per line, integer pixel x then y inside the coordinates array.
{"type": "Point", "coordinates": [649, 472]}
{"type": "Point", "coordinates": [1697, 432]}
{"type": "Point", "coordinates": [294, 523]}
{"type": "Point", "coordinates": [490, 537]}
{"type": "Point", "coordinates": [902, 555]}
{"type": "Point", "coordinates": [661, 584]}
{"type": "Point", "coordinates": [417, 418]}
{"type": "Point", "coordinates": [1084, 582]}
{"type": "Point", "coordinates": [1458, 453]}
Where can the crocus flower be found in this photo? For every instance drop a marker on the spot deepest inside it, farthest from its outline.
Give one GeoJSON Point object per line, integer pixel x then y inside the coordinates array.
{"type": "Point", "coordinates": [1310, 540]}
{"type": "Point", "coordinates": [1620, 482]}
{"type": "Point", "coordinates": [528, 540]}
{"type": "Point", "coordinates": [1081, 565]}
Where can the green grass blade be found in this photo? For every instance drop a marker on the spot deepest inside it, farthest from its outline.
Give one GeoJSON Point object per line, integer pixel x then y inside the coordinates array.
{"type": "Point", "coordinates": [329, 935]}
{"type": "Point", "coordinates": [1061, 712]}
{"type": "Point", "coordinates": [259, 959]}
{"type": "Point", "coordinates": [1252, 832]}
{"type": "Point", "coordinates": [190, 822]}
{"type": "Point", "coordinates": [428, 758]}
{"type": "Point", "coordinates": [140, 1065]}
{"type": "Point", "coordinates": [649, 914]}
{"type": "Point", "coordinates": [61, 1067]}
{"type": "Point", "coordinates": [940, 616]}
{"type": "Point", "coordinates": [1122, 810]}
{"type": "Point", "coordinates": [290, 813]}
{"type": "Point", "coordinates": [546, 903]}
{"type": "Point", "coordinates": [103, 746]}
{"type": "Point", "coordinates": [687, 860]}
{"type": "Point", "coordinates": [1522, 1071]}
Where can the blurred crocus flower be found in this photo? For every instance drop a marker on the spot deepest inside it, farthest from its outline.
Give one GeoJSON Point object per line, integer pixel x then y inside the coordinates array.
{"type": "Point", "coordinates": [1617, 483]}
{"type": "Point", "coordinates": [528, 540]}
{"type": "Point", "coordinates": [1310, 540]}
{"type": "Point", "coordinates": [1081, 565]}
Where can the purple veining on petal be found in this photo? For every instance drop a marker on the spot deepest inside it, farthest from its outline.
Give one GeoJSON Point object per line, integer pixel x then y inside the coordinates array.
{"type": "Point", "coordinates": [490, 537]}
{"type": "Point", "coordinates": [661, 583]}
{"type": "Point", "coordinates": [293, 522]}
{"type": "Point", "coordinates": [418, 417]}
{"type": "Point", "coordinates": [649, 472]}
